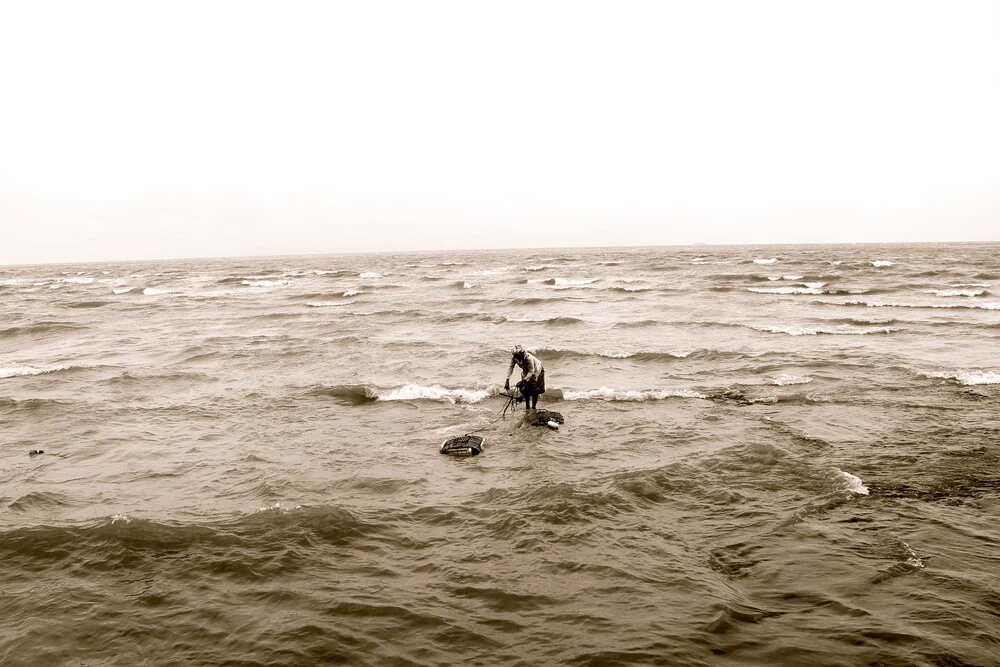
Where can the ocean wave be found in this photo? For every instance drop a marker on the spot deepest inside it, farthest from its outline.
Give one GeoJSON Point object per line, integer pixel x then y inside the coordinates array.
{"type": "Point", "coordinates": [540, 267]}
{"type": "Point", "coordinates": [955, 292]}
{"type": "Point", "coordinates": [328, 304]}
{"type": "Point", "coordinates": [122, 290]}
{"type": "Point", "coordinates": [843, 330]}
{"type": "Point", "coordinates": [984, 305]}
{"type": "Point", "coordinates": [370, 275]}
{"type": "Point", "coordinates": [153, 291]}
{"type": "Point", "coordinates": [17, 371]}
{"type": "Point", "coordinates": [569, 282]}
{"type": "Point", "coordinates": [806, 288]}
{"type": "Point", "coordinates": [352, 292]}
{"type": "Point", "coordinates": [630, 288]}
{"type": "Point", "coordinates": [77, 281]}
{"type": "Point", "coordinates": [463, 284]}
{"type": "Point", "coordinates": [638, 324]}
{"type": "Point", "coordinates": [611, 394]}
{"type": "Point", "coordinates": [881, 263]}
{"type": "Point", "coordinates": [788, 379]}
{"type": "Point", "coordinates": [772, 260]}
{"type": "Point", "coordinates": [87, 304]}
{"type": "Point", "coordinates": [546, 353]}
{"type": "Point", "coordinates": [969, 378]}
{"type": "Point", "coordinates": [365, 393]}
{"type": "Point", "coordinates": [971, 285]}
{"type": "Point", "coordinates": [268, 283]}
{"type": "Point", "coordinates": [38, 328]}
{"type": "Point", "coordinates": [773, 278]}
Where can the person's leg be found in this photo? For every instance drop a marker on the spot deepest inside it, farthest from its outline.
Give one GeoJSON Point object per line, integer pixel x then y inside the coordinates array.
{"type": "Point", "coordinates": [534, 401]}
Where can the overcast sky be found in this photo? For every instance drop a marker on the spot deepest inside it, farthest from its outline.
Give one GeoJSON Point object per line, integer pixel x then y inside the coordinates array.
{"type": "Point", "coordinates": [183, 129]}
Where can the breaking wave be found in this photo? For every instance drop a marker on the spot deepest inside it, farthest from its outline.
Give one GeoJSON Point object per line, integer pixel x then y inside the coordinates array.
{"type": "Point", "coordinates": [611, 394]}
{"type": "Point", "coordinates": [841, 330]}
{"type": "Point", "coordinates": [969, 378]}
{"type": "Point", "coordinates": [366, 393]}
{"type": "Point", "coordinates": [17, 371]}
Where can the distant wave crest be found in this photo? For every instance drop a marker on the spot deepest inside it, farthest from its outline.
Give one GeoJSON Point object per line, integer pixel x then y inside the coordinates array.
{"type": "Point", "coordinates": [611, 394]}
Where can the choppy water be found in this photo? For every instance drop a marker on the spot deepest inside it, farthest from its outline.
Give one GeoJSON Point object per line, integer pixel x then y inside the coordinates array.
{"type": "Point", "coordinates": [773, 455]}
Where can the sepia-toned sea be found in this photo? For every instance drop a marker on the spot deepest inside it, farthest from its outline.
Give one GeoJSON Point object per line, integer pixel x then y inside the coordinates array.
{"type": "Point", "coordinates": [772, 455]}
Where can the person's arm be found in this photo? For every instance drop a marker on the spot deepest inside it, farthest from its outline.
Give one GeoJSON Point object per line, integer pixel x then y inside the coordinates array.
{"type": "Point", "coordinates": [510, 371]}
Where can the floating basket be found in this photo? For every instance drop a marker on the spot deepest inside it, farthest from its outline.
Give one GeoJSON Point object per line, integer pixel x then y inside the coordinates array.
{"type": "Point", "coordinates": [463, 445]}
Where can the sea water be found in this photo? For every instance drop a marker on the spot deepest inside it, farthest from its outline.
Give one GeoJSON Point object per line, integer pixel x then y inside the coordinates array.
{"type": "Point", "coordinates": [774, 455]}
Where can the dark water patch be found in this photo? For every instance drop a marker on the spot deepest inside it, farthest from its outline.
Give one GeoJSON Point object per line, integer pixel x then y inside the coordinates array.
{"type": "Point", "coordinates": [40, 500]}
{"type": "Point", "coordinates": [470, 317]}
{"type": "Point", "coordinates": [347, 394]}
{"type": "Point", "coordinates": [951, 491]}
{"type": "Point", "coordinates": [535, 300]}
{"type": "Point", "coordinates": [248, 544]}
{"type": "Point", "coordinates": [638, 324]}
{"type": "Point", "coordinates": [40, 328]}
{"type": "Point", "coordinates": [87, 304]}
{"type": "Point", "coordinates": [555, 504]}
{"type": "Point", "coordinates": [126, 378]}
{"type": "Point", "coordinates": [562, 321]}
{"type": "Point", "coordinates": [31, 406]}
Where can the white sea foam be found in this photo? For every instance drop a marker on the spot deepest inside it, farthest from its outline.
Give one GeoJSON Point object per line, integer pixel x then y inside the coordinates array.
{"type": "Point", "coordinates": [452, 263]}
{"type": "Point", "coordinates": [985, 305]}
{"type": "Point", "coordinates": [352, 292]}
{"type": "Point", "coordinates": [124, 518]}
{"type": "Point", "coordinates": [328, 304]}
{"type": "Point", "coordinates": [611, 394]}
{"type": "Point", "coordinates": [370, 275]}
{"type": "Point", "coordinates": [765, 261]}
{"type": "Point", "coordinates": [881, 262]}
{"type": "Point", "coordinates": [969, 378]}
{"type": "Point", "coordinates": [842, 330]}
{"type": "Point", "coordinates": [540, 267]}
{"type": "Point", "coordinates": [153, 291]}
{"type": "Point", "coordinates": [17, 371]}
{"type": "Point", "coordinates": [492, 272]}
{"type": "Point", "coordinates": [787, 379]}
{"type": "Point", "coordinates": [805, 288]}
{"type": "Point", "coordinates": [122, 290]}
{"type": "Point", "coordinates": [468, 285]}
{"type": "Point", "coordinates": [572, 282]}
{"type": "Point", "coordinates": [413, 392]}
{"type": "Point", "coordinates": [854, 484]}
{"type": "Point", "coordinates": [77, 281]}
{"type": "Point", "coordinates": [954, 292]}
{"type": "Point", "coordinates": [971, 285]}
{"type": "Point", "coordinates": [268, 283]}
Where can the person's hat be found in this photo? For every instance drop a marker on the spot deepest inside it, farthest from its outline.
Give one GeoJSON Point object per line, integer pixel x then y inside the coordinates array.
{"type": "Point", "coordinates": [517, 350]}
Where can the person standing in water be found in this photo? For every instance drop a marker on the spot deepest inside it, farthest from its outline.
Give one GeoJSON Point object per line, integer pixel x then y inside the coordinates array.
{"type": "Point", "coordinates": [532, 382]}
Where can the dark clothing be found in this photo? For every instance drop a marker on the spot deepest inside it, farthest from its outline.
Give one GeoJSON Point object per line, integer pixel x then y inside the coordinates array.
{"type": "Point", "coordinates": [535, 386]}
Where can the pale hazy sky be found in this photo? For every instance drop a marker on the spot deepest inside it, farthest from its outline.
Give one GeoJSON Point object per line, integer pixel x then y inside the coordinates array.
{"type": "Point", "coordinates": [174, 129]}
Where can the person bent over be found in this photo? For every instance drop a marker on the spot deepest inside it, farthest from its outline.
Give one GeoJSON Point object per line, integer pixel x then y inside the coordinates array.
{"type": "Point", "coordinates": [532, 382]}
